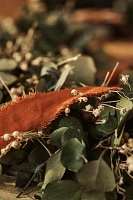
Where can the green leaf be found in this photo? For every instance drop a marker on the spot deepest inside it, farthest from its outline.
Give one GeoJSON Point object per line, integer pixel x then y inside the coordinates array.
{"type": "Point", "coordinates": [108, 111]}
{"type": "Point", "coordinates": [72, 154]}
{"type": "Point", "coordinates": [127, 104]}
{"type": "Point", "coordinates": [109, 126]}
{"type": "Point", "coordinates": [55, 137]}
{"type": "Point", "coordinates": [62, 190]}
{"type": "Point", "coordinates": [38, 156]}
{"type": "Point", "coordinates": [0, 169]}
{"type": "Point", "coordinates": [54, 169]}
{"type": "Point", "coordinates": [96, 175]}
{"type": "Point", "coordinates": [111, 195]}
{"type": "Point", "coordinates": [7, 64]}
{"type": "Point", "coordinates": [26, 167]}
{"type": "Point", "coordinates": [63, 77]}
{"type": "Point", "coordinates": [14, 156]}
{"type": "Point", "coordinates": [93, 195]}
{"type": "Point", "coordinates": [70, 121]}
{"type": "Point", "coordinates": [41, 85]}
{"type": "Point", "coordinates": [129, 193]}
{"type": "Point", "coordinates": [71, 132]}
{"type": "Point", "coordinates": [86, 75]}
{"type": "Point", "coordinates": [22, 179]}
{"type": "Point", "coordinates": [7, 78]}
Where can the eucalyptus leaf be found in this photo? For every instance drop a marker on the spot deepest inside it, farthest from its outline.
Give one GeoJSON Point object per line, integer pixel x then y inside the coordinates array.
{"type": "Point", "coordinates": [0, 169]}
{"type": "Point", "coordinates": [84, 70]}
{"type": "Point", "coordinates": [55, 137]}
{"type": "Point", "coordinates": [71, 132]}
{"type": "Point", "coordinates": [96, 175]}
{"type": "Point", "coordinates": [41, 86]}
{"type": "Point", "coordinates": [126, 104]}
{"type": "Point", "coordinates": [7, 78]}
{"type": "Point", "coordinates": [63, 77]}
{"type": "Point", "coordinates": [69, 121]}
{"type": "Point", "coordinates": [7, 64]}
{"type": "Point", "coordinates": [38, 156]}
{"type": "Point", "coordinates": [107, 111]}
{"type": "Point", "coordinates": [26, 167]}
{"type": "Point", "coordinates": [129, 193]}
{"type": "Point", "coordinates": [72, 154]}
{"type": "Point", "coordinates": [54, 169]}
{"type": "Point", "coordinates": [46, 67]}
{"type": "Point", "coordinates": [65, 190]}
{"type": "Point", "coordinates": [93, 195]}
{"type": "Point", "coordinates": [14, 156]}
{"type": "Point", "coordinates": [22, 179]}
{"type": "Point", "coordinates": [109, 126]}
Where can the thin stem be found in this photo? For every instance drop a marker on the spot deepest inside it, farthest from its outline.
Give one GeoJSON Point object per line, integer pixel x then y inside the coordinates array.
{"type": "Point", "coordinates": [110, 106]}
{"type": "Point", "coordinates": [112, 74]}
{"type": "Point", "coordinates": [68, 60]}
{"type": "Point", "coordinates": [105, 79]}
{"type": "Point", "coordinates": [32, 178]}
{"type": "Point", "coordinates": [3, 83]}
{"type": "Point", "coordinates": [44, 146]}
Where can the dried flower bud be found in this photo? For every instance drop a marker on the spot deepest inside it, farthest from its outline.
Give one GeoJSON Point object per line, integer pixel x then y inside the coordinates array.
{"type": "Point", "coordinates": [96, 112]}
{"type": "Point", "coordinates": [130, 168]}
{"type": "Point", "coordinates": [3, 151]}
{"type": "Point", "coordinates": [28, 56]}
{"type": "Point", "coordinates": [74, 92]}
{"type": "Point", "coordinates": [124, 78]}
{"type": "Point", "coordinates": [6, 136]}
{"type": "Point", "coordinates": [121, 181]}
{"type": "Point", "coordinates": [80, 94]}
{"type": "Point", "coordinates": [129, 160]}
{"type": "Point", "coordinates": [16, 134]}
{"type": "Point", "coordinates": [15, 144]}
{"type": "Point", "coordinates": [124, 149]}
{"type": "Point", "coordinates": [67, 111]}
{"type": "Point", "coordinates": [13, 90]}
{"type": "Point", "coordinates": [123, 111]}
{"type": "Point", "coordinates": [17, 56]}
{"type": "Point", "coordinates": [130, 143]}
{"type": "Point", "coordinates": [100, 107]}
{"type": "Point", "coordinates": [23, 66]}
{"type": "Point", "coordinates": [88, 107]}
{"type": "Point", "coordinates": [84, 99]}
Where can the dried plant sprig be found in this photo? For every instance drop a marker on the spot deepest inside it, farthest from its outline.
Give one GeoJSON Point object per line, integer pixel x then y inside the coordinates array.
{"type": "Point", "coordinates": [124, 80]}
{"type": "Point", "coordinates": [37, 110]}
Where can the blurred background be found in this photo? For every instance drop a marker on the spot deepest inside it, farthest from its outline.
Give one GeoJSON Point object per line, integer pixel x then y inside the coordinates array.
{"type": "Point", "coordinates": [100, 29]}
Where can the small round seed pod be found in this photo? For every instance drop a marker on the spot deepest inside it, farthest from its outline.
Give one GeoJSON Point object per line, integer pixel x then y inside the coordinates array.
{"type": "Point", "coordinates": [15, 144]}
{"type": "Point", "coordinates": [74, 92]}
{"type": "Point", "coordinates": [3, 151]}
{"type": "Point", "coordinates": [130, 168]}
{"type": "Point", "coordinates": [129, 160]}
{"type": "Point", "coordinates": [6, 137]}
{"type": "Point", "coordinates": [16, 134]}
{"type": "Point", "coordinates": [124, 149]}
{"type": "Point", "coordinates": [130, 143]}
{"type": "Point", "coordinates": [67, 111]}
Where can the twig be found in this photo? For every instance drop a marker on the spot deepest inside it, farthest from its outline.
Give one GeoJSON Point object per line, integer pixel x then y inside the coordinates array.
{"type": "Point", "coordinates": [105, 79]}
{"type": "Point", "coordinates": [68, 60]}
{"type": "Point", "coordinates": [112, 74]}
{"type": "Point", "coordinates": [44, 146]}
{"type": "Point", "coordinates": [4, 84]}
{"type": "Point", "coordinates": [32, 178]}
